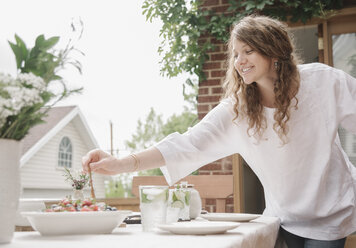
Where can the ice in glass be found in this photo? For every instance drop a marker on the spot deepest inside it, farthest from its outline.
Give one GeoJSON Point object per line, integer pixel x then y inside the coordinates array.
{"type": "Point", "coordinates": [153, 206]}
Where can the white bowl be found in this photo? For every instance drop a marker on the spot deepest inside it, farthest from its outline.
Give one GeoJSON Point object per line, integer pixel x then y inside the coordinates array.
{"type": "Point", "coordinates": [26, 205]}
{"type": "Point", "coordinates": [70, 223]}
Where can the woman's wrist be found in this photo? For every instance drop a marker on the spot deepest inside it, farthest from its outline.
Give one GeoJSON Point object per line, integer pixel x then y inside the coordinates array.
{"type": "Point", "coordinates": [136, 162]}
{"type": "Point", "coordinates": [130, 163]}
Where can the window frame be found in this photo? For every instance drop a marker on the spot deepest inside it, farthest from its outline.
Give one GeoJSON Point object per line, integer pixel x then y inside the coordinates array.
{"type": "Point", "coordinates": [65, 158]}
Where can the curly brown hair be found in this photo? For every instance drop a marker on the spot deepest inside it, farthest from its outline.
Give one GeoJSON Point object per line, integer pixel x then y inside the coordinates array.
{"type": "Point", "coordinates": [270, 38]}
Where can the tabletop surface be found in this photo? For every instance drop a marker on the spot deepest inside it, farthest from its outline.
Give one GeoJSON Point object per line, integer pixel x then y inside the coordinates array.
{"type": "Point", "coordinates": [261, 232]}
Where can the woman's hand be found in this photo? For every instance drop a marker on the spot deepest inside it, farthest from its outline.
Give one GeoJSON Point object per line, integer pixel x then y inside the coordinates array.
{"type": "Point", "coordinates": [101, 162]}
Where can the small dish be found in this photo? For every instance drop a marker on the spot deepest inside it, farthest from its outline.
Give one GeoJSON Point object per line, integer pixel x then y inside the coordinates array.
{"type": "Point", "coordinates": [70, 223]}
{"type": "Point", "coordinates": [198, 227]}
{"type": "Point", "coordinates": [240, 217]}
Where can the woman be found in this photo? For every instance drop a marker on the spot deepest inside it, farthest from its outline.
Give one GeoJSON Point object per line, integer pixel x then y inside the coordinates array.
{"type": "Point", "coordinates": [283, 120]}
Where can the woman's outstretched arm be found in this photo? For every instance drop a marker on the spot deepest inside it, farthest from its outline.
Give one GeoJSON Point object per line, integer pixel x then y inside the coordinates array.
{"type": "Point", "coordinates": [104, 163]}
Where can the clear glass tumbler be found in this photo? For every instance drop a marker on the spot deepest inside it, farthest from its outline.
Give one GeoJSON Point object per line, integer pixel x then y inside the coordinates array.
{"type": "Point", "coordinates": [153, 206]}
{"type": "Point", "coordinates": [180, 198]}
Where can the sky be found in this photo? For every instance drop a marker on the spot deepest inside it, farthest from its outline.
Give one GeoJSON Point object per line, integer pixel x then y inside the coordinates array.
{"type": "Point", "coordinates": [121, 71]}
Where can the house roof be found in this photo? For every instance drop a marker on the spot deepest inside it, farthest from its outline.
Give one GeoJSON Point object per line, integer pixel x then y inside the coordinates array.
{"type": "Point", "coordinates": [56, 119]}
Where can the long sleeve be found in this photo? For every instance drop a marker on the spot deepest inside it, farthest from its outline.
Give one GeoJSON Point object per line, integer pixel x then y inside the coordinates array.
{"type": "Point", "coordinates": [206, 142]}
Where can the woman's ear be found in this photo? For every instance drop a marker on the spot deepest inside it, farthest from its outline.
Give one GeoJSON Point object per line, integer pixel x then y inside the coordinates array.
{"type": "Point", "coordinates": [276, 64]}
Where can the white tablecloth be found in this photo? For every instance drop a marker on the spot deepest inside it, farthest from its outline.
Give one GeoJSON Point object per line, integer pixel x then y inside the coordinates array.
{"type": "Point", "coordinates": [261, 232]}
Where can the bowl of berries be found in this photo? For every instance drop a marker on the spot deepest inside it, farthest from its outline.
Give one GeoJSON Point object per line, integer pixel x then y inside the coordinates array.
{"type": "Point", "coordinates": [70, 217]}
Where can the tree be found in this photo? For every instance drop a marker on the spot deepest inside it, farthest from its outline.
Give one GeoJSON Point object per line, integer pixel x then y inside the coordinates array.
{"type": "Point", "coordinates": [186, 25]}
{"type": "Point", "coordinates": [147, 132]}
{"type": "Point", "coordinates": [154, 129]}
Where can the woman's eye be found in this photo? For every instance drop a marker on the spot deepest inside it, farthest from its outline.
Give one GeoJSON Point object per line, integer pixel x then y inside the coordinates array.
{"type": "Point", "coordinates": [249, 51]}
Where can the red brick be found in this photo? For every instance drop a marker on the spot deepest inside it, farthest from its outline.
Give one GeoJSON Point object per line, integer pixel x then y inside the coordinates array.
{"type": "Point", "coordinates": [210, 2]}
{"type": "Point", "coordinates": [203, 40]}
{"type": "Point", "coordinates": [201, 115]}
{"type": "Point", "coordinates": [206, 99]}
{"type": "Point", "coordinates": [203, 91]}
{"type": "Point", "coordinates": [229, 209]}
{"type": "Point", "coordinates": [203, 108]}
{"type": "Point", "coordinates": [210, 82]}
{"type": "Point", "coordinates": [213, 209]}
{"type": "Point", "coordinates": [222, 172]}
{"type": "Point", "coordinates": [230, 200]}
{"type": "Point", "coordinates": [216, 48]}
{"type": "Point", "coordinates": [220, 9]}
{"type": "Point", "coordinates": [212, 167]}
{"type": "Point", "coordinates": [218, 56]}
{"type": "Point", "coordinates": [204, 173]}
{"type": "Point", "coordinates": [213, 106]}
{"type": "Point", "coordinates": [212, 65]}
{"type": "Point", "coordinates": [210, 201]}
{"type": "Point", "coordinates": [216, 42]}
{"type": "Point", "coordinates": [217, 90]}
{"type": "Point", "coordinates": [228, 167]}
{"type": "Point", "coordinates": [224, 1]}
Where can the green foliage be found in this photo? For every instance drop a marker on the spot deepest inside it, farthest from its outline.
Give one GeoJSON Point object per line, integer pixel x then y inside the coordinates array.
{"type": "Point", "coordinates": [184, 25]}
{"type": "Point", "coordinates": [37, 60]}
{"type": "Point", "coordinates": [119, 186]}
{"type": "Point", "coordinates": [43, 61]}
{"type": "Point", "coordinates": [147, 133]}
{"type": "Point", "coordinates": [154, 130]}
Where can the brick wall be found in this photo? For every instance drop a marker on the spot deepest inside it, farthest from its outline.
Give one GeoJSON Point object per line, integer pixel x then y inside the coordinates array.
{"type": "Point", "coordinates": [210, 92]}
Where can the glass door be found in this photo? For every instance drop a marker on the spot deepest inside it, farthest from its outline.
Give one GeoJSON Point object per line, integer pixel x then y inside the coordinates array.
{"type": "Point", "coordinates": [343, 56]}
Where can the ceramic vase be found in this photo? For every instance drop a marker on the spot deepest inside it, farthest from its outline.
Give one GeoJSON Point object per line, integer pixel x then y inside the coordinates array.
{"type": "Point", "coordinates": [78, 194]}
{"type": "Point", "coordinates": [195, 202]}
{"type": "Point", "coordinates": [10, 154]}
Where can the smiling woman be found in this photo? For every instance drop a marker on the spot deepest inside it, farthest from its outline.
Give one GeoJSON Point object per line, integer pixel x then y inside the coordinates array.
{"type": "Point", "coordinates": [263, 63]}
{"type": "Point", "coordinates": [290, 143]}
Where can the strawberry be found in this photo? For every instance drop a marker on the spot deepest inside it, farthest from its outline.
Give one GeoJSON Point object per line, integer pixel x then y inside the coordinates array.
{"type": "Point", "coordinates": [94, 207]}
{"type": "Point", "coordinates": [85, 209]}
{"type": "Point", "coordinates": [70, 209]}
{"type": "Point", "coordinates": [87, 203]}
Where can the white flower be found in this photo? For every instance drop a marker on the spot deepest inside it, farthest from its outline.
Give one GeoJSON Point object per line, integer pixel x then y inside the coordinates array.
{"type": "Point", "coordinates": [17, 93]}
{"type": "Point", "coordinates": [31, 81]}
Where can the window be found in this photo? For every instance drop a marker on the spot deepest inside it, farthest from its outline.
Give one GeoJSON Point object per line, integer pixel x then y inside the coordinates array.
{"type": "Point", "coordinates": [65, 153]}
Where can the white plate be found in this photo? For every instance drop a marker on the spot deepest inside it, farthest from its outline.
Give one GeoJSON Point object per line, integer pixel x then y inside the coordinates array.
{"type": "Point", "coordinates": [229, 216]}
{"type": "Point", "coordinates": [198, 227]}
{"type": "Point", "coordinates": [69, 223]}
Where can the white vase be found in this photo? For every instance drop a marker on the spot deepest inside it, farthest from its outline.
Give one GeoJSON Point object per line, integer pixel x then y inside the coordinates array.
{"type": "Point", "coordinates": [10, 154]}
{"type": "Point", "coordinates": [78, 194]}
{"type": "Point", "coordinates": [195, 202]}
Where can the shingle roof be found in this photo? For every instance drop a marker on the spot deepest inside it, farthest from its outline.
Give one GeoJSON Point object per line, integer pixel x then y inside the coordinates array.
{"type": "Point", "coordinates": [54, 115]}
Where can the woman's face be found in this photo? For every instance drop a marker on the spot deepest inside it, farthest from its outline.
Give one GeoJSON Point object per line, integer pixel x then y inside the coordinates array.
{"type": "Point", "coordinates": [251, 65]}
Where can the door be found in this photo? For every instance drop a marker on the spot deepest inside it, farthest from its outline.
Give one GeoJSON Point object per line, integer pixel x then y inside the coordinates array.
{"type": "Point", "coordinates": [342, 55]}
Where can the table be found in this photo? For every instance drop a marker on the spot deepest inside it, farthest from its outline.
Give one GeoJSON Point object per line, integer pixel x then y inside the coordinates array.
{"type": "Point", "coordinates": [261, 232]}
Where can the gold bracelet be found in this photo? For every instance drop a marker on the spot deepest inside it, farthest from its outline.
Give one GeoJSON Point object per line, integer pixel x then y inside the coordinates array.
{"type": "Point", "coordinates": [137, 161]}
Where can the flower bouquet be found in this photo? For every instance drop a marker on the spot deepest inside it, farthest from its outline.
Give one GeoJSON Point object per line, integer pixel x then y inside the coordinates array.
{"type": "Point", "coordinates": [25, 100]}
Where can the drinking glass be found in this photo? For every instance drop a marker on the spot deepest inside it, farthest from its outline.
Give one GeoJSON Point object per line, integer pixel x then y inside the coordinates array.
{"type": "Point", "coordinates": [180, 198]}
{"type": "Point", "coordinates": [153, 206]}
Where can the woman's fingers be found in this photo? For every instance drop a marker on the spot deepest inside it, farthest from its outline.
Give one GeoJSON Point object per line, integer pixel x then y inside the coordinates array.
{"type": "Point", "coordinates": [92, 156]}
{"type": "Point", "coordinates": [85, 163]}
{"type": "Point", "coordinates": [104, 166]}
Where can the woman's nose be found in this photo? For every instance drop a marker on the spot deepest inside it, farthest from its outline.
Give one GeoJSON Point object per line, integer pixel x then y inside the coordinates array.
{"type": "Point", "coordinates": [240, 60]}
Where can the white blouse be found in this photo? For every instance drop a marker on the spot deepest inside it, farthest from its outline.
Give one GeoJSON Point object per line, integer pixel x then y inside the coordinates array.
{"type": "Point", "coordinates": [309, 183]}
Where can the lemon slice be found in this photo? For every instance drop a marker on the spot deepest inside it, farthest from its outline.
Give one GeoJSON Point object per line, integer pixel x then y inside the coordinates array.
{"type": "Point", "coordinates": [177, 204]}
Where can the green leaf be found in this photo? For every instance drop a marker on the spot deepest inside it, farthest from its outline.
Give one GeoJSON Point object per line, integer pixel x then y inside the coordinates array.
{"type": "Point", "coordinates": [47, 44]}
{"type": "Point", "coordinates": [18, 54]}
{"type": "Point", "coordinates": [39, 41]}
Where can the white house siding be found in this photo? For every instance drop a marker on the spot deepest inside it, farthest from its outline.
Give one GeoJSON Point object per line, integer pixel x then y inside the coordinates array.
{"type": "Point", "coordinates": [41, 177]}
